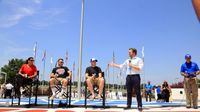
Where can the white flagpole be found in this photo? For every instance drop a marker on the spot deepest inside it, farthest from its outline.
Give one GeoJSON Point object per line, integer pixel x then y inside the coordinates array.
{"type": "Point", "coordinates": [44, 59]}
{"type": "Point", "coordinates": [67, 58]}
{"type": "Point", "coordinates": [143, 66]}
{"type": "Point", "coordinates": [80, 51]}
{"type": "Point", "coordinates": [51, 63]}
{"type": "Point", "coordinates": [34, 50]}
{"type": "Point", "coordinates": [113, 71]}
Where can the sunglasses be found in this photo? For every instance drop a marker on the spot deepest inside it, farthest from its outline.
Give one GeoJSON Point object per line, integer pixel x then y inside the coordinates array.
{"type": "Point", "coordinates": [31, 60]}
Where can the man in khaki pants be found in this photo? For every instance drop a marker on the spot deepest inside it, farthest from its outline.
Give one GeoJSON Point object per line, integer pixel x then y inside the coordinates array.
{"type": "Point", "coordinates": [190, 70]}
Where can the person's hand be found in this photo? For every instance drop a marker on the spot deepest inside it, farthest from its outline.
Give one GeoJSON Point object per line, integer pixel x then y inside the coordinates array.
{"type": "Point", "coordinates": [186, 75]}
{"type": "Point", "coordinates": [191, 74]}
{"type": "Point", "coordinates": [53, 76]}
{"type": "Point", "coordinates": [25, 75]}
{"type": "Point", "coordinates": [130, 65]}
{"type": "Point", "coordinates": [93, 76]}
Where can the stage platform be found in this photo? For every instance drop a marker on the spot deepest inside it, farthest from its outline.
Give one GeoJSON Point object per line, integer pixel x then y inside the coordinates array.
{"type": "Point", "coordinates": [78, 103]}
{"type": "Point", "coordinates": [94, 106]}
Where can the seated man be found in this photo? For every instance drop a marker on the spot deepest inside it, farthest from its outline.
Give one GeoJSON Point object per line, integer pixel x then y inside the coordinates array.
{"type": "Point", "coordinates": [62, 74]}
{"type": "Point", "coordinates": [94, 76]}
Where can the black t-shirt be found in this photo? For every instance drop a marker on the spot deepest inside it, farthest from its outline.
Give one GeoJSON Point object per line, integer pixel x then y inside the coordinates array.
{"type": "Point", "coordinates": [61, 72]}
{"type": "Point", "coordinates": [93, 70]}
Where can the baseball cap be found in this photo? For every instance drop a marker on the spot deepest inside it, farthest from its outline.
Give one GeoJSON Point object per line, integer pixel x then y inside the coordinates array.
{"type": "Point", "coordinates": [187, 56]}
{"type": "Point", "coordinates": [93, 59]}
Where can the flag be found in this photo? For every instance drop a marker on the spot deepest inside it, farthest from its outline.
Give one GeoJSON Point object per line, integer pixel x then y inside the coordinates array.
{"type": "Point", "coordinates": [66, 57]}
{"type": "Point", "coordinates": [196, 5]}
{"type": "Point", "coordinates": [74, 66]}
{"type": "Point", "coordinates": [34, 50]}
{"type": "Point", "coordinates": [51, 60]}
{"type": "Point", "coordinates": [113, 58]}
{"type": "Point", "coordinates": [143, 52]}
{"type": "Point", "coordinates": [44, 56]}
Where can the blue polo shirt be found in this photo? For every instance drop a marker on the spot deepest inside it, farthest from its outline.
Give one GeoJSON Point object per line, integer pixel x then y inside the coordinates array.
{"type": "Point", "coordinates": [158, 90]}
{"type": "Point", "coordinates": [149, 88]}
{"type": "Point", "coordinates": [189, 68]}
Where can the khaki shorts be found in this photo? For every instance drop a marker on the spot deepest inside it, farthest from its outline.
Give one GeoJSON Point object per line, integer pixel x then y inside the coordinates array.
{"type": "Point", "coordinates": [95, 81]}
{"type": "Point", "coordinates": [61, 79]}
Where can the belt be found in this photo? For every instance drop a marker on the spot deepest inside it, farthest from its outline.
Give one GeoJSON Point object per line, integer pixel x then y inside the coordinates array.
{"type": "Point", "coordinates": [132, 74]}
{"type": "Point", "coordinates": [190, 76]}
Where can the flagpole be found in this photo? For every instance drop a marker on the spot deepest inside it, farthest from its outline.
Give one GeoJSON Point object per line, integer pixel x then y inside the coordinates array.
{"type": "Point", "coordinates": [34, 51]}
{"type": "Point", "coordinates": [143, 67]}
{"type": "Point", "coordinates": [113, 72]}
{"type": "Point", "coordinates": [108, 79]}
{"type": "Point", "coordinates": [80, 51]}
{"type": "Point", "coordinates": [43, 78]}
{"type": "Point", "coordinates": [51, 63]}
{"type": "Point", "coordinates": [73, 76]}
{"type": "Point", "coordinates": [44, 59]}
{"type": "Point", "coordinates": [66, 58]}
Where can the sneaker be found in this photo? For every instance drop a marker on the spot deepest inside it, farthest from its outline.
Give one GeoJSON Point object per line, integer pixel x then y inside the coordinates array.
{"type": "Point", "coordinates": [127, 108]}
{"type": "Point", "coordinates": [52, 97]}
{"type": "Point", "coordinates": [61, 97]}
{"type": "Point", "coordinates": [140, 108]}
{"type": "Point", "coordinates": [188, 106]}
{"type": "Point", "coordinates": [195, 107]}
{"type": "Point", "coordinates": [99, 97]}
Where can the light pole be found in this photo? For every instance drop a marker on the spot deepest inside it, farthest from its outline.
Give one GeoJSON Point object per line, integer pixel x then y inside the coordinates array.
{"type": "Point", "coordinates": [80, 51]}
{"type": "Point", "coordinates": [4, 74]}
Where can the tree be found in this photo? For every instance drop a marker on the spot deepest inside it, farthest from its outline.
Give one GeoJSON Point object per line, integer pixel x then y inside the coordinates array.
{"type": "Point", "coordinates": [12, 68]}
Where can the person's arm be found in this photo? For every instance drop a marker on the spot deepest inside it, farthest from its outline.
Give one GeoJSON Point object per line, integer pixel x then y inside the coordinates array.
{"type": "Point", "coordinates": [87, 73]}
{"type": "Point", "coordinates": [52, 75]}
{"type": "Point", "coordinates": [33, 76]}
{"type": "Point", "coordinates": [197, 70]}
{"type": "Point", "coordinates": [196, 5]}
{"type": "Point", "coordinates": [21, 71]}
{"type": "Point", "coordinates": [170, 90]}
{"type": "Point", "coordinates": [112, 64]}
{"type": "Point", "coordinates": [183, 72]}
{"type": "Point", "coordinates": [70, 74]}
{"type": "Point", "coordinates": [100, 73]}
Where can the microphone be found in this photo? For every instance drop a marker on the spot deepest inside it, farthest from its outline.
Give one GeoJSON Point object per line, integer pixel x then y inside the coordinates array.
{"type": "Point", "coordinates": [129, 66]}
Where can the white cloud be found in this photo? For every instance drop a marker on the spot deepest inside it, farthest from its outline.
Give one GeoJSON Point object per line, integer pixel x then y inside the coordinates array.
{"type": "Point", "coordinates": [49, 17]}
{"type": "Point", "coordinates": [37, 1]}
{"type": "Point", "coordinates": [14, 11]}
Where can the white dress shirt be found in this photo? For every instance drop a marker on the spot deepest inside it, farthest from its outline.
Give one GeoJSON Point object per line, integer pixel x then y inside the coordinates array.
{"type": "Point", "coordinates": [136, 61]}
{"type": "Point", "coordinates": [9, 86]}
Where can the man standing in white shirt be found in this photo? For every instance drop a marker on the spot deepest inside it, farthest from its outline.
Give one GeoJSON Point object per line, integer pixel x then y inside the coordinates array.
{"type": "Point", "coordinates": [133, 69]}
{"type": "Point", "coordinates": [9, 87]}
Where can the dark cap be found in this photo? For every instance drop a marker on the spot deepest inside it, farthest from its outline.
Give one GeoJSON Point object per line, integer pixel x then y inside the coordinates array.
{"type": "Point", "coordinates": [187, 56]}
{"type": "Point", "coordinates": [93, 59]}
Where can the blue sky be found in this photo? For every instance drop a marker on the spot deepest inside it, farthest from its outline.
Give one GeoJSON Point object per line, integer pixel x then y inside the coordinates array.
{"type": "Point", "coordinates": [168, 29]}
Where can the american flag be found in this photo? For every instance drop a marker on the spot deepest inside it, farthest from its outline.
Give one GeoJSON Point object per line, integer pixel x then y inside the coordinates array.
{"type": "Point", "coordinates": [44, 56]}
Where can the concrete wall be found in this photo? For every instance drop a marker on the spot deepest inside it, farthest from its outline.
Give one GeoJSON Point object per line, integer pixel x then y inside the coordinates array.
{"type": "Point", "coordinates": [176, 94]}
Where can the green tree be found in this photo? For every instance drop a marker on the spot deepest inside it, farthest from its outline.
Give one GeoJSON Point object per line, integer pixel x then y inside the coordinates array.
{"type": "Point", "coordinates": [12, 68]}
